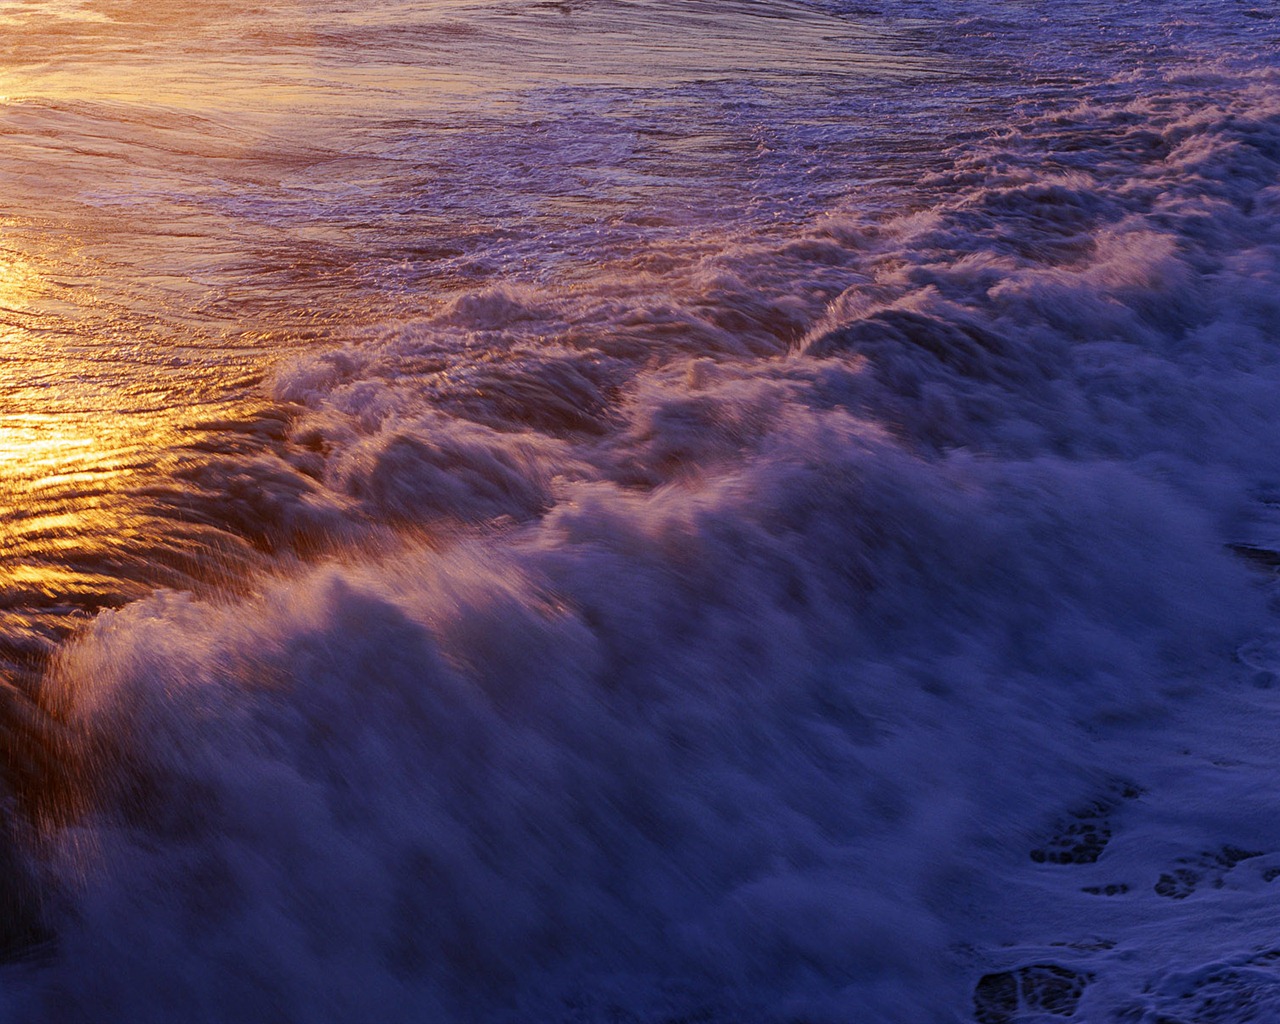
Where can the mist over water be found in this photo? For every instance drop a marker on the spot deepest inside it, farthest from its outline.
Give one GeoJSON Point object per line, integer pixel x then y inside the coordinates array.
{"type": "Point", "coordinates": [640, 511]}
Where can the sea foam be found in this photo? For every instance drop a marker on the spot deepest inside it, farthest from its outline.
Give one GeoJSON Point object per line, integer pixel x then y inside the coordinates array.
{"type": "Point", "coordinates": [840, 627]}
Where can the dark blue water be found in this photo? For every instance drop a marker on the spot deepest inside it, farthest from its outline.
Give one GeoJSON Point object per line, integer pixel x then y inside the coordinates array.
{"type": "Point", "coordinates": [641, 512]}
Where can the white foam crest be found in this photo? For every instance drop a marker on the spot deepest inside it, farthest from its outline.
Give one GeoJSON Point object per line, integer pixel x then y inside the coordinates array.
{"type": "Point", "coordinates": [706, 735]}
{"type": "Point", "coordinates": [779, 642]}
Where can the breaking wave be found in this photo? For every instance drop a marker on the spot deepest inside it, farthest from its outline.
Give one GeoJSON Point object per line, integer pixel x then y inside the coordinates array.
{"type": "Point", "coordinates": [786, 636]}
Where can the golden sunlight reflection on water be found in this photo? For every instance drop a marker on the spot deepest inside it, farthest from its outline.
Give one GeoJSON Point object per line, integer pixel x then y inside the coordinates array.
{"type": "Point", "coordinates": [191, 189]}
{"type": "Point", "coordinates": [82, 431]}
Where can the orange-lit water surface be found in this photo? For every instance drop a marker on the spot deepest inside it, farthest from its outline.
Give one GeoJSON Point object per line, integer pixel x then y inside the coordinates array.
{"type": "Point", "coordinates": [191, 190]}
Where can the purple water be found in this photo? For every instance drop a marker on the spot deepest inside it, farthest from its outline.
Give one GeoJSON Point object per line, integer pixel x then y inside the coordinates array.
{"type": "Point", "coordinates": [640, 511]}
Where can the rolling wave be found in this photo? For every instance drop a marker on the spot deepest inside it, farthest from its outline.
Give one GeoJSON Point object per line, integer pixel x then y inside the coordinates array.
{"type": "Point", "coordinates": [853, 602]}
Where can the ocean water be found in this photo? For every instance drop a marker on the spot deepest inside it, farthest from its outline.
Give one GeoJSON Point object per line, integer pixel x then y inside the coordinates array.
{"type": "Point", "coordinates": [640, 511]}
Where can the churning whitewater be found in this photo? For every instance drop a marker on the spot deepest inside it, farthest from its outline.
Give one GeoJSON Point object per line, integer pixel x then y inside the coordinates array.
{"type": "Point", "coordinates": [789, 537]}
